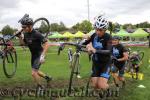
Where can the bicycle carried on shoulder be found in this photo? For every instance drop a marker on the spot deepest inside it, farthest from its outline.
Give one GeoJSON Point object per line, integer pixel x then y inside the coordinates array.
{"type": "Point", "coordinates": [8, 54]}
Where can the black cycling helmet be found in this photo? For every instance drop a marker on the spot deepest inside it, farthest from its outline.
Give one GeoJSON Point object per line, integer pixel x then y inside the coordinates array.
{"type": "Point", "coordinates": [25, 20]}
{"type": "Point", "coordinates": [115, 38]}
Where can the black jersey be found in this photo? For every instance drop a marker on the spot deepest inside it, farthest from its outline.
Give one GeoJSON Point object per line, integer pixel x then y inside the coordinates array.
{"type": "Point", "coordinates": [118, 51]}
{"type": "Point", "coordinates": [34, 41]}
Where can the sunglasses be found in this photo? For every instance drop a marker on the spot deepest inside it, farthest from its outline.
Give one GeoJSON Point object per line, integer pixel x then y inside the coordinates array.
{"type": "Point", "coordinates": [115, 39]}
{"type": "Point", "coordinates": [24, 26]}
{"type": "Point", "coordinates": [99, 30]}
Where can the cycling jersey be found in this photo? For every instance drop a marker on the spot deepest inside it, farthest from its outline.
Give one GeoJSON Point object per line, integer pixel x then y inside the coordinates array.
{"type": "Point", "coordinates": [117, 51]}
{"type": "Point", "coordinates": [100, 43]}
{"type": "Point", "coordinates": [101, 62]}
{"type": "Point", "coordinates": [34, 41]}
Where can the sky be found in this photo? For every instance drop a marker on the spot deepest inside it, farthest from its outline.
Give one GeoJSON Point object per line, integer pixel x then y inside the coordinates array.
{"type": "Point", "coordinates": [72, 11]}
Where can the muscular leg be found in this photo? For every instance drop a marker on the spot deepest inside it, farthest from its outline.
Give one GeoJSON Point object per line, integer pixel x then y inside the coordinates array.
{"type": "Point", "coordinates": [102, 83]}
{"type": "Point", "coordinates": [35, 76]}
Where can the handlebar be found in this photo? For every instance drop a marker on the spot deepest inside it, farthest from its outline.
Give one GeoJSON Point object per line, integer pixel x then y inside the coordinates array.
{"type": "Point", "coordinates": [74, 44]}
{"type": "Point", "coordinates": [78, 47]}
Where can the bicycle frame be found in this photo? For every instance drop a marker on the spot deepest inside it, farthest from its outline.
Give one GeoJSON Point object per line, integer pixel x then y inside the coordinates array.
{"type": "Point", "coordinates": [70, 55]}
{"type": "Point", "coordinates": [8, 56]}
{"type": "Point", "coordinates": [74, 61]}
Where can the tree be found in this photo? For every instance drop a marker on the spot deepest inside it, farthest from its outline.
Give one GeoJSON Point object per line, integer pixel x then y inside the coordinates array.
{"type": "Point", "coordinates": [58, 27]}
{"type": "Point", "coordinates": [84, 26]}
{"type": "Point", "coordinates": [7, 30]}
{"type": "Point", "coordinates": [61, 27]}
{"type": "Point", "coordinates": [43, 27]}
{"type": "Point", "coordinates": [54, 27]}
{"type": "Point", "coordinates": [129, 26]}
{"type": "Point", "coordinates": [143, 25]}
{"type": "Point", "coordinates": [114, 27]}
{"type": "Point", "coordinates": [76, 27]}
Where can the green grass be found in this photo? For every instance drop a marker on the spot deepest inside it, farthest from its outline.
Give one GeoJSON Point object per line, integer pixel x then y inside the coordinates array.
{"type": "Point", "coordinates": [132, 92]}
{"type": "Point", "coordinates": [57, 67]}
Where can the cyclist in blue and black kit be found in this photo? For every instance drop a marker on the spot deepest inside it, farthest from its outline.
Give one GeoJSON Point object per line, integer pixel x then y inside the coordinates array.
{"type": "Point", "coordinates": [120, 55]}
{"type": "Point", "coordinates": [99, 44]}
{"type": "Point", "coordinates": [38, 46]}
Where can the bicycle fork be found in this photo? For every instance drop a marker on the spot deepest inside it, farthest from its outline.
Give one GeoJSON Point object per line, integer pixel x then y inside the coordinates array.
{"type": "Point", "coordinates": [76, 63]}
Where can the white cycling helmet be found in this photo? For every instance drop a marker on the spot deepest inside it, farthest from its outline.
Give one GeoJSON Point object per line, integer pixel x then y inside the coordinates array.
{"type": "Point", "coordinates": [101, 23]}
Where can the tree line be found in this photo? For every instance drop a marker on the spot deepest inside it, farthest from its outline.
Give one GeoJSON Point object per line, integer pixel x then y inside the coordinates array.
{"type": "Point", "coordinates": [85, 26]}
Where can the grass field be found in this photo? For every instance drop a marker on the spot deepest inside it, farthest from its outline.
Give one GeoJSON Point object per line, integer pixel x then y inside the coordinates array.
{"type": "Point", "coordinates": [57, 67]}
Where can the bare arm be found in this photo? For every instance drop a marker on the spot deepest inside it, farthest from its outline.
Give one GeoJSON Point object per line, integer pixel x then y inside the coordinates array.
{"type": "Point", "coordinates": [45, 47]}
{"type": "Point", "coordinates": [87, 39]}
{"type": "Point", "coordinates": [21, 37]}
{"type": "Point", "coordinates": [22, 43]}
{"type": "Point", "coordinates": [54, 44]}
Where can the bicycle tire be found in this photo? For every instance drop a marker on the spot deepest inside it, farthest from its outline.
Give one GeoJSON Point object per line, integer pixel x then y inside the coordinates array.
{"type": "Point", "coordinates": [141, 54]}
{"type": "Point", "coordinates": [47, 22]}
{"type": "Point", "coordinates": [5, 58]}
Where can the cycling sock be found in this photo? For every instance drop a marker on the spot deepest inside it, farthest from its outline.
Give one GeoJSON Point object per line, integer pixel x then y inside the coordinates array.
{"type": "Point", "coordinates": [47, 78]}
{"type": "Point", "coordinates": [117, 85]}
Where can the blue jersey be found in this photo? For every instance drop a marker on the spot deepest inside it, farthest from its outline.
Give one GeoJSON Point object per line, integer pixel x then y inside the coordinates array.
{"type": "Point", "coordinates": [118, 50]}
{"type": "Point", "coordinates": [100, 43]}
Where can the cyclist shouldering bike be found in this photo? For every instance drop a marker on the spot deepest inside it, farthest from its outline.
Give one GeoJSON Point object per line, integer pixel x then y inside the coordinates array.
{"type": "Point", "coordinates": [38, 46]}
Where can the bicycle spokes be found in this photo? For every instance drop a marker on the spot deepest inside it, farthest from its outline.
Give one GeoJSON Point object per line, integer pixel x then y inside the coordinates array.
{"type": "Point", "coordinates": [10, 64]}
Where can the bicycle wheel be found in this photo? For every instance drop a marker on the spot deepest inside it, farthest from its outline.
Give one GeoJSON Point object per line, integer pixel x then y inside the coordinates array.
{"type": "Point", "coordinates": [141, 55]}
{"type": "Point", "coordinates": [128, 66]}
{"type": "Point", "coordinates": [10, 63]}
{"type": "Point", "coordinates": [74, 82]}
{"type": "Point", "coordinates": [88, 86]}
{"type": "Point", "coordinates": [129, 69]}
{"type": "Point", "coordinates": [42, 25]}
